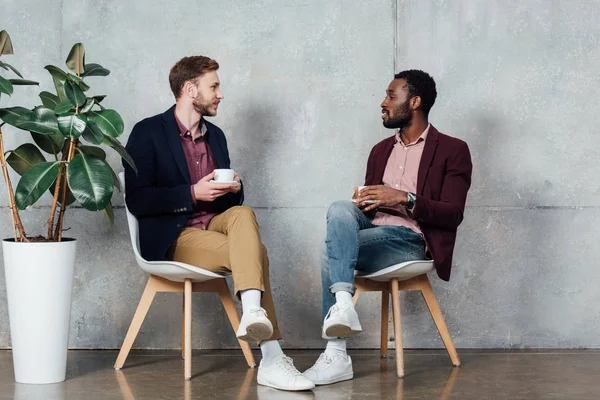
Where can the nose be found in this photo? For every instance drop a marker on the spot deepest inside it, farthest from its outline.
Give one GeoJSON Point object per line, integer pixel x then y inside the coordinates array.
{"type": "Point", "coordinates": [383, 103]}
{"type": "Point", "coordinates": [220, 94]}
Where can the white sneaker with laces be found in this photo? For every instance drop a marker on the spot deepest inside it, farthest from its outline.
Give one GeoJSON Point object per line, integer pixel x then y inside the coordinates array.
{"type": "Point", "coordinates": [341, 321]}
{"type": "Point", "coordinates": [255, 326]}
{"type": "Point", "coordinates": [283, 375]}
{"type": "Point", "coordinates": [330, 368]}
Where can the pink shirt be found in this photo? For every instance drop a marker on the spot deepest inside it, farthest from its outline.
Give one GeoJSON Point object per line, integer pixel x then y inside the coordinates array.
{"type": "Point", "coordinates": [200, 163]}
{"type": "Point", "coordinates": [401, 173]}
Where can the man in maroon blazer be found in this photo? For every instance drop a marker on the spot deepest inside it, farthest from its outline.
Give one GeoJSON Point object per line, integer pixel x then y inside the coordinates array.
{"type": "Point", "coordinates": [410, 208]}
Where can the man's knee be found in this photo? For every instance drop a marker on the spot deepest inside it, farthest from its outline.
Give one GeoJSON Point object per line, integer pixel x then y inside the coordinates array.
{"type": "Point", "coordinates": [341, 208]}
{"type": "Point", "coordinates": [243, 212]}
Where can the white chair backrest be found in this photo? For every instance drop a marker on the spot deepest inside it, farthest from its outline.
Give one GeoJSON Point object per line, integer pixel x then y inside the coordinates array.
{"type": "Point", "coordinates": [134, 228]}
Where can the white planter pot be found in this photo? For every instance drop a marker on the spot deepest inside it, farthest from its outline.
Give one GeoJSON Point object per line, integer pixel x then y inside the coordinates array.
{"type": "Point", "coordinates": [39, 279]}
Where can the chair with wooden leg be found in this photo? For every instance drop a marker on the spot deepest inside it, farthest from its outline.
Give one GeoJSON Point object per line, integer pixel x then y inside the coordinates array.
{"type": "Point", "coordinates": [171, 276]}
{"type": "Point", "coordinates": [411, 275]}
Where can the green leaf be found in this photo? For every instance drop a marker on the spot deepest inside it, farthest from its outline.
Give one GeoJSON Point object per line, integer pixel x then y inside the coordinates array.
{"type": "Point", "coordinates": [35, 182]}
{"type": "Point", "coordinates": [74, 93]}
{"type": "Point", "coordinates": [116, 181]}
{"type": "Point", "coordinates": [56, 72]}
{"type": "Point", "coordinates": [90, 181]}
{"type": "Point", "coordinates": [79, 82]}
{"type": "Point", "coordinates": [109, 122]}
{"type": "Point", "coordinates": [93, 151]}
{"type": "Point", "coordinates": [95, 70]}
{"type": "Point", "coordinates": [92, 134]}
{"type": "Point", "coordinates": [24, 157]}
{"type": "Point", "coordinates": [70, 197]}
{"type": "Point", "coordinates": [52, 144]}
{"type": "Point", "coordinates": [6, 66]}
{"type": "Point", "coordinates": [49, 100]}
{"type": "Point", "coordinates": [99, 98]}
{"type": "Point", "coordinates": [109, 214]}
{"type": "Point", "coordinates": [89, 103]}
{"type": "Point", "coordinates": [60, 89]}
{"type": "Point", "coordinates": [41, 120]}
{"type": "Point", "coordinates": [6, 86]}
{"type": "Point", "coordinates": [72, 125]}
{"type": "Point", "coordinates": [23, 82]}
{"type": "Point", "coordinates": [11, 115]}
{"type": "Point", "coordinates": [76, 59]}
{"type": "Point", "coordinates": [5, 43]}
{"type": "Point", "coordinates": [63, 107]}
{"type": "Point", "coordinates": [115, 144]}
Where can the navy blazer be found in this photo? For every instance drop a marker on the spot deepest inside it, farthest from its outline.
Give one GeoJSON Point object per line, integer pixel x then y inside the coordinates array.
{"type": "Point", "coordinates": [160, 195]}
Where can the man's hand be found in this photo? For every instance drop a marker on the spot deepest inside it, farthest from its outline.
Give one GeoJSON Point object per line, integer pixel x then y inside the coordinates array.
{"type": "Point", "coordinates": [384, 196]}
{"type": "Point", "coordinates": [238, 187]}
{"type": "Point", "coordinates": [204, 190]}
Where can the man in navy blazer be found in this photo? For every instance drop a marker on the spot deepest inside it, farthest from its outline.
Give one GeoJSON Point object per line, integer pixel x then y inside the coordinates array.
{"type": "Point", "coordinates": [185, 216]}
{"type": "Point", "coordinates": [410, 208]}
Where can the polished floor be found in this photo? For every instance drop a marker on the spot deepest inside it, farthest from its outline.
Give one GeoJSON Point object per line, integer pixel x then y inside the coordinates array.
{"type": "Point", "coordinates": [224, 375]}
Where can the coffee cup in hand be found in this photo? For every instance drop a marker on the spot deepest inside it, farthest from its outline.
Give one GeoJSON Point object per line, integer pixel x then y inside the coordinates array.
{"type": "Point", "coordinates": [224, 175]}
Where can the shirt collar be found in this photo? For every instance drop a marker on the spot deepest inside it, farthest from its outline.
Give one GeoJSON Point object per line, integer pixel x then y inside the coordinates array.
{"type": "Point", "coordinates": [184, 132]}
{"type": "Point", "coordinates": [420, 139]}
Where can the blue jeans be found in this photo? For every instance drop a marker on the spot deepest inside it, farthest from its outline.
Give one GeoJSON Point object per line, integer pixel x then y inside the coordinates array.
{"type": "Point", "coordinates": [353, 243]}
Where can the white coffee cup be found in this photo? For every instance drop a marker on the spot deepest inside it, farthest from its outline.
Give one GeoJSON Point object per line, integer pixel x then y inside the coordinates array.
{"type": "Point", "coordinates": [224, 175]}
{"type": "Point", "coordinates": [360, 188]}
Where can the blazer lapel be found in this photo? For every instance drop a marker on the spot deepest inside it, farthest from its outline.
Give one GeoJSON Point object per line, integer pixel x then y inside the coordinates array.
{"type": "Point", "coordinates": [427, 157]}
{"type": "Point", "coordinates": [174, 141]}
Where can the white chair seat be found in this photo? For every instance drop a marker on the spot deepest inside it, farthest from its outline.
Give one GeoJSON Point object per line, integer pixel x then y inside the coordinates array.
{"type": "Point", "coordinates": [402, 271]}
{"type": "Point", "coordinates": [171, 270]}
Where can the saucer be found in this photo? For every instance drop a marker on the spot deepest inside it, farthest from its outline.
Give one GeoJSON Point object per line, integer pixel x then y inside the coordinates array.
{"type": "Point", "coordinates": [234, 183]}
{"type": "Point", "coordinates": [365, 201]}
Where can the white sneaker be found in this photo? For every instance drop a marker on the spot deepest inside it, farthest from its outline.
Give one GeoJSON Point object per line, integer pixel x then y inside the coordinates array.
{"type": "Point", "coordinates": [330, 369]}
{"type": "Point", "coordinates": [255, 326]}
{"type": "Point", "coordinates": [341, 321]}
{"type": "Point", "coordinates": [283, 375]}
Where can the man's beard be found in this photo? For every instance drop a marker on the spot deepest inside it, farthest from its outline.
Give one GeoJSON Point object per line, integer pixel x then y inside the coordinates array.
{"type": "Point", "coordinates": [202, 106]}
{"type": "Point", "coordinates": [402, 118]}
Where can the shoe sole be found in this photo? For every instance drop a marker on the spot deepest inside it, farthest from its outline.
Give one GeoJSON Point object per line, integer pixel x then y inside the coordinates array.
{"type": "Point", "coordinates": [339, 330]}
{"type": "Point", "coordinates": [257, 332]}
{"type": "Point", "coordinates": [287, 388]}
{"type": "Point", "coordinates": [342, 378]}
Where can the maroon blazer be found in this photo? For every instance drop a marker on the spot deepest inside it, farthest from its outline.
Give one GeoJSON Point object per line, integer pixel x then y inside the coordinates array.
{"type": "Point", "coordinates": [443, 181]}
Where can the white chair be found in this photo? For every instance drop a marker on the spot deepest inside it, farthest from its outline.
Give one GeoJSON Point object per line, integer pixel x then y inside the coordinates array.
{"type": "Point", "coordinates": [411, 275]}
{"type": "Point", "coordinates": [170, 276]}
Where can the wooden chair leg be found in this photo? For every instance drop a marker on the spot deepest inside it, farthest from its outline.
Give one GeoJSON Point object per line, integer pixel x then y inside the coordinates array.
{"type": "Point", "coordinates": [183, 326]}
{"type": "Point", "coordinates": [397, 328]}
{"type": "Point", "coordinates": [187, 299]}
{"type": "Point", "coordinates": [438, 318]}
{"type": "Point", "coordinates": [234, 319]}
{"type": "Point", "coordinates": [385, 303]}
{"type": "Point", "coordinates": [136, 322]}
{"type": "Point", "coordinates": [356, 295]}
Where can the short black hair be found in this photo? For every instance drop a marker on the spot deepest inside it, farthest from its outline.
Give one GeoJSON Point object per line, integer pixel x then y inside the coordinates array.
{"type": "Point", "coordinates": [420, 84]}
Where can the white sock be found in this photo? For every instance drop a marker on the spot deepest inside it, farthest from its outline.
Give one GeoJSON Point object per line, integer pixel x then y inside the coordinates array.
{"type": "Point", "coordinates": [343, 297]}
{"type": "Point", "coordinates": [250, 299]}
{"type": "Point", "coordinates": [271, 351]}
{"type": "Point", "coordinates": [336, 347]}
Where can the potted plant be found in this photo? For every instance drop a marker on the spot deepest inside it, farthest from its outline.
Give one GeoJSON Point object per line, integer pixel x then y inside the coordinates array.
{"type": "Point", "coordinates": [39, 268]}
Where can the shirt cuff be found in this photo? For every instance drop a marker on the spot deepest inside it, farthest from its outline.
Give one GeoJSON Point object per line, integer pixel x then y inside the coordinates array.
{"type": "Point", "coordinates": [193, 195]}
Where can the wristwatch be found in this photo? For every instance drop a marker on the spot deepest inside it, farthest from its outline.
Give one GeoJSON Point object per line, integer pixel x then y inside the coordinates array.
{"type": "Point", "coordinates": [411, 200]}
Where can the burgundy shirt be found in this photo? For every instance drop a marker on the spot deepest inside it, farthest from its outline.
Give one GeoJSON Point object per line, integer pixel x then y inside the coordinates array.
{"type": "Point", "coordinates": [200, 163]}
{"type": "Point", "coordinates": [401, 172]}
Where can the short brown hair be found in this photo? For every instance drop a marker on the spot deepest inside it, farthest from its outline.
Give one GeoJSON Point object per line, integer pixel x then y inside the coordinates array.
{"type": "Point", "coordinates": [189, 68]}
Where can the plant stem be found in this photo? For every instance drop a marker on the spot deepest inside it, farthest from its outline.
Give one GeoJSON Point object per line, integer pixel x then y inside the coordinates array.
{"type": "Point", "coordinates": [63, 205]}
{"type": "Point", "coordinates": [14, 213]}
{"type": "Point", "coordinates": [57, 188]}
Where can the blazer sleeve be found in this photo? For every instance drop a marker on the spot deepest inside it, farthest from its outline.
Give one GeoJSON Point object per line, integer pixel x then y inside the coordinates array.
{"type": "Point", "coordinates": [143, 197]}
{"type": "Point", "coordinates": [447, 213]}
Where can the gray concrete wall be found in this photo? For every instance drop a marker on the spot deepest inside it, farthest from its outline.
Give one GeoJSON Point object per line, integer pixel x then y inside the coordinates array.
{"type": "Point", "coordinates": [302, 83]}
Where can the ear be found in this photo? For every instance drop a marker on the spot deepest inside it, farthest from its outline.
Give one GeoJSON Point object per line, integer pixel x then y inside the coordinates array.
{"type": "Point", "coordinates": [415, 102]}
{"type": "Point", "coordinates": [189, 89]}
